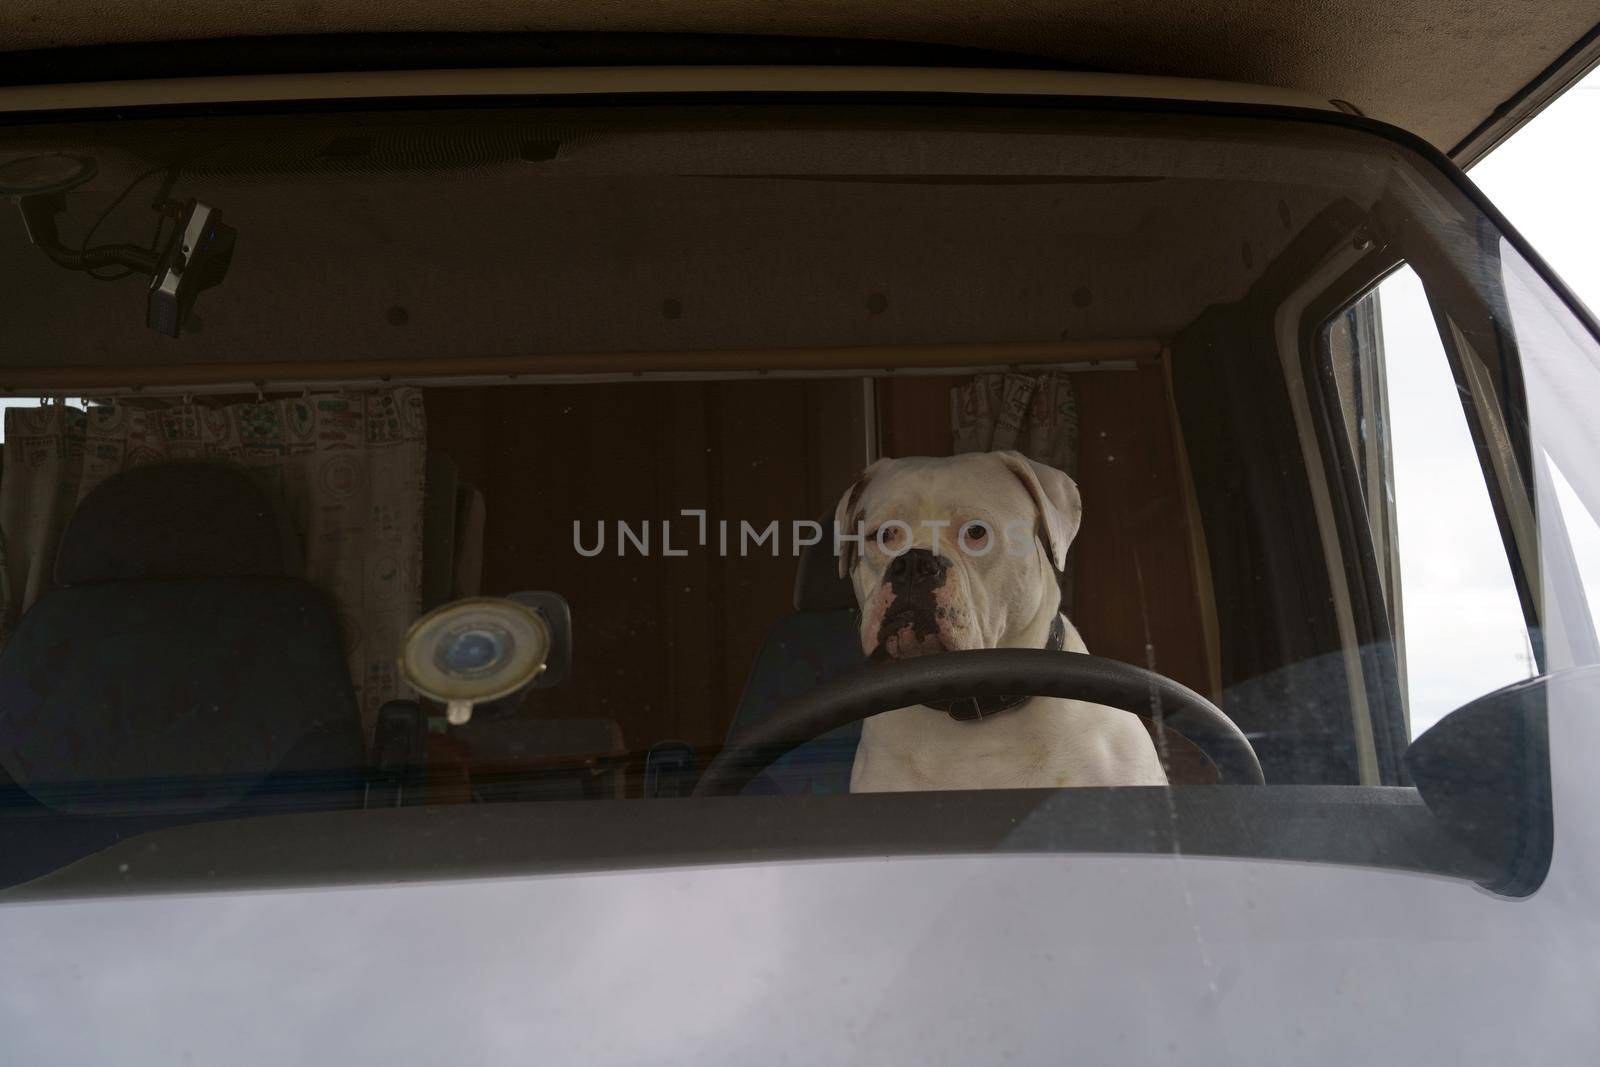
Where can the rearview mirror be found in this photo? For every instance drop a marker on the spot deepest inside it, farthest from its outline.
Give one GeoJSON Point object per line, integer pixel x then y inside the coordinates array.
{"type": "Point", "coordinates": [1484, 773]}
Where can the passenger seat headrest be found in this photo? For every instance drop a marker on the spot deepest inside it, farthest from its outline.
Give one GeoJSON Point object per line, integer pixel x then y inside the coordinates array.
{"type": "Point", "coordinates": [817, 585]}
{"type": "Point", "coordinates": [186, 519]}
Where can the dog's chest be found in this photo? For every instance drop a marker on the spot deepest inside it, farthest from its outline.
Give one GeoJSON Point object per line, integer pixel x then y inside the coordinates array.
{"type": "Point", "coordinates": [918, 748]}
{"type": "Point", "coordinates": [1047, 744]}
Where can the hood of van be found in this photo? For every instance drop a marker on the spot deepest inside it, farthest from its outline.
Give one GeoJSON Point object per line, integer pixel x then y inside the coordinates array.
{"type": "Point", "coordinates": [915, 960]}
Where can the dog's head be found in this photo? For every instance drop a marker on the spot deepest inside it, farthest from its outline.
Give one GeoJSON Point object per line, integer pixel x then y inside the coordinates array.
{"type": "Point", "coordinates": [956, 553]}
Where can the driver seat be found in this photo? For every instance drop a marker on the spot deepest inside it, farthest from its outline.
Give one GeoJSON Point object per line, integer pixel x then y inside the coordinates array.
{"type": "Point", "coordinates": [800, 652]}
{"type": "Point", "coordinates": [181, 669]}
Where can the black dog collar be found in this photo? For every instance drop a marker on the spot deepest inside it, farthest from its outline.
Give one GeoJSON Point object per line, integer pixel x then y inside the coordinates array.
{"type": "Point", "coordinates": [971, 709]}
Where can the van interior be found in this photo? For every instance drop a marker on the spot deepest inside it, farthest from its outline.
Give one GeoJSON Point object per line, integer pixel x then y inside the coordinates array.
{"type": "Point", "coordinates": [592, 316]}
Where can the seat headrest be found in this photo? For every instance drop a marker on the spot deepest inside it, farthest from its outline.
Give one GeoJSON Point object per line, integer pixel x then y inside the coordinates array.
{"type": "Point", "coordinates": [817, 585]}
{"type": "Point", "coordinates": [177, 520]}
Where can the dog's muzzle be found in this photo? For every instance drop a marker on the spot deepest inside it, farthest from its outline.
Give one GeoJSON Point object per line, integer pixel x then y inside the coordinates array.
{"type": "Point", "coordinates": [908, 632]}
{"type": "Point", "coordinates": [910, 627]}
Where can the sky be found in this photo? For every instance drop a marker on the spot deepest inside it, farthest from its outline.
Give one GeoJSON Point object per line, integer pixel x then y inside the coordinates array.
{"type": "Point", "coordinates": [1463, 630]}
{"type": "Point", "coordinates": [1463, 627]}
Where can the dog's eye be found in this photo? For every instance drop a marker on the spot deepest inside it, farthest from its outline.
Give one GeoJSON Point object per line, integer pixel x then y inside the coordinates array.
{"type": "Point", "coordinates": [974, 535]}
{"type": "Point", "coordinates": [888, 536]}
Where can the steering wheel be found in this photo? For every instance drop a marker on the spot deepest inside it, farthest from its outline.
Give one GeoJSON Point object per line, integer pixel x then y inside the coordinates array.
{"type": "Point", "coordinates": [984, 672]}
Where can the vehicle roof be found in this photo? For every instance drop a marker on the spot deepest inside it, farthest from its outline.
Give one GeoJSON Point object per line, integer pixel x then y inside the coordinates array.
{"type": "Point", "coordinates": [1460, 73]}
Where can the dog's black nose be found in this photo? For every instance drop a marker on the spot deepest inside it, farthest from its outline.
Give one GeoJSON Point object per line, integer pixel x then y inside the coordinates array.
{"type": "Point", "coordinates": [917, 568]}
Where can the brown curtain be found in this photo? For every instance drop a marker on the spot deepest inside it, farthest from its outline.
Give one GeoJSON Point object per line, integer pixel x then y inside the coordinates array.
{"type": "Point", "coordinates": [1035, 414]}
{"type": "Point", "coordinates": [349, 469]}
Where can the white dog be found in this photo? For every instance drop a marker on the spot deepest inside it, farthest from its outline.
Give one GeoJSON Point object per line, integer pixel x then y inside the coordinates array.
{"type": "Point", "coordinates": [962, 553]}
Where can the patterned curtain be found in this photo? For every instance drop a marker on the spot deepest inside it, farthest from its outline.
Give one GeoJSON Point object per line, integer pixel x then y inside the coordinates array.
{"type": "Point", "coordinates": [349, 469]}
{"type": "Point", "coordinates": [1036, 414]}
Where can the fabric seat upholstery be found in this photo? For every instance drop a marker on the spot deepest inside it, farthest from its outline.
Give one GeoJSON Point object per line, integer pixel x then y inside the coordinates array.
{"type": "Point", "coordinates": [181, 667]}
{"type": "Point", "coordinates": [800, 652]}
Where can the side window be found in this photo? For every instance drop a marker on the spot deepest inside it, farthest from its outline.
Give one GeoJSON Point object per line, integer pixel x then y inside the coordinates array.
{"type": "Point", "coordinates": [1442, 563]}
{"type": "Point", "coordinates": [1583, 532]}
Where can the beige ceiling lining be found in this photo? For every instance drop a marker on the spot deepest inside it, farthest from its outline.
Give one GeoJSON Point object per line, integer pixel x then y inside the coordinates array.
{"type": "Point", "coordinates": [436, 266]}
{"type": "Point", "coordinates": [607, 246]}
{"type": "Point", "coordinates": [1437, 67]}
{"type": "Point", "coordinates": [1510, 117]}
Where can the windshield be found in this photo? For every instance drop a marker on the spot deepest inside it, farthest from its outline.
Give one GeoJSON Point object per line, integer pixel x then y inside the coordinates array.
{"type": "Point", "coordinates": [505, 462]}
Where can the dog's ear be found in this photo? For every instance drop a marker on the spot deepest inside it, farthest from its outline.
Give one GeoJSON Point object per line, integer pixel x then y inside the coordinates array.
{"type": "Point", "coordinates": [846, 516]}
{"type": "Point", "coordinates": [1055, 497]}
